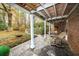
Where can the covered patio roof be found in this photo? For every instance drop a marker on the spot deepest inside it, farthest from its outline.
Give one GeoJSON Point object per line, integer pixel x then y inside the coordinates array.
{"type": "Point", "coordinates": [48, 10]}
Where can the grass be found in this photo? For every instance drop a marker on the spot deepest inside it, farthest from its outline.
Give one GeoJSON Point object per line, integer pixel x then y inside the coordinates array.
{"type": "Point", "coordinates": [11, 39]}
{"type": "Point", "coordinates": [19, 41]}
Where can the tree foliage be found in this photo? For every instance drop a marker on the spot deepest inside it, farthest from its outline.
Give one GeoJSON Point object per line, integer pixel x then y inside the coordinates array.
{"type": "Point", "coordinates": [39, 28]}
{"type": "Point", "coordinates": [2, 25]}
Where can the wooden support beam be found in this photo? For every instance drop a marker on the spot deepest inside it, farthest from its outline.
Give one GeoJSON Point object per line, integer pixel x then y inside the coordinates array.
{"type": "Point", "coordinates": [74, 8]}
{"type": "Point", "coordinates": [41, 14]}
{"type": "Point", "coordinates": [45, 6]}
{"type": "Point", "coordinates": [58, 17]}
{"type": "Point", "coordinates": [55, 10]}
{"type": "Point", "coordinates": [28, 8]}
{"type": "Point", "coordinates": [46, 11]}
{"type": "Point", "coordinates": [64, 9]}
{"type": "Point", "coordinates": [31, 6]}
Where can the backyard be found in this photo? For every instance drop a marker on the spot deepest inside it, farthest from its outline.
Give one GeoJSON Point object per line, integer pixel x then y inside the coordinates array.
{"type": "Point", "coordinates": [13, 38]}
{"type": "Point", "coordinates": [25, 33]}
{"type": "Point", "coordinates": [15, 26]}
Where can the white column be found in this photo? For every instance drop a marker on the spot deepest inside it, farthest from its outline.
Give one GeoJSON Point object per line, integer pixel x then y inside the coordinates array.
{"type": "Point", "coordinates": [44, 29]}
{"type": "Point", "coordinates": [52, 27]}
{"type": "Point", "coordinates": [66, 36]}
{"type": "Point", "coordinates": [32, 31]}
{"type": "Point", "coordinates": [49, 28]}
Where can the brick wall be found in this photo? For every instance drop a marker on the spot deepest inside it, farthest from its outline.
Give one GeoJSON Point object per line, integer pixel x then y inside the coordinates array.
{"type": "Point", "coordinates": [60, 26]}
{"type": "Point", "coordinates": [73, 31]}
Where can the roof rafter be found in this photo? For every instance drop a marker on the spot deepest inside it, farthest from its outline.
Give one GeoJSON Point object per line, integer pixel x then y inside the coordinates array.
{"type": "Point", "coordinates": [58, 17]}
{"type": "Point", "coordinates": [18, 7]}
{"type": "Point", "coordinates": [64, 8]}
{"type": "Point", "coordinates": [76, 5]}
{"type": "Point", "coordinates": [55, 10]}
{"type": "Point", "coordinates": [31, 6]}
{"type": "Point", "coordinates": [45, 6]}
{"type": "Point", "coordinates": [46, 11]}
{"type": "Point", "coordinates": [41, 14]}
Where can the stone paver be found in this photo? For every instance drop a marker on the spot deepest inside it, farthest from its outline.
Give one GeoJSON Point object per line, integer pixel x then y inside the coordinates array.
{"type": "Point", "coordinates": [24, 48]}
{"type": "Point", "coordinates": [43, 48]}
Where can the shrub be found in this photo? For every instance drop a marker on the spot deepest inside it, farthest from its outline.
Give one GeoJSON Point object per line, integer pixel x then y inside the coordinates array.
{"type": "Point", "coordinates": [4, 50]}
{"type": "Point", "coordinates": [2, 25]}
{"type": "Point", "coordinates": [39, 28]}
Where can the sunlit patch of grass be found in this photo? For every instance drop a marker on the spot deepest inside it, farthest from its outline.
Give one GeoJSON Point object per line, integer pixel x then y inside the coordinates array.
{"type": "Point", "coordinates": [12, 40]}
